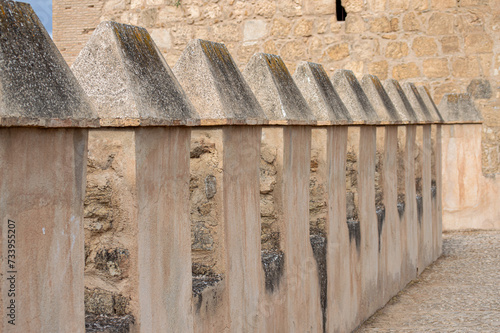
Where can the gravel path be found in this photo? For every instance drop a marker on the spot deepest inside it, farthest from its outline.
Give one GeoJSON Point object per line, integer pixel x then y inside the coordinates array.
{"type": "Point", "coordinates": [460, 292]}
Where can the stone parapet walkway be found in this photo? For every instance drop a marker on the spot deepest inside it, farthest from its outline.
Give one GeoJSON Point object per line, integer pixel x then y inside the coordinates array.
{"type": "Point", "coordinates": [460, 292]}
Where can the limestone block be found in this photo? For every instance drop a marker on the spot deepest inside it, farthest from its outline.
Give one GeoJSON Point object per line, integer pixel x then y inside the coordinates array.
{"type": "Point", "coordinates": [450, 44]}
{"type": "Point", "coordinates": [215, 85]}
{"type": "Point", "coordinates": [354, 24]}
{"type": "Point", "coordinates": [405, 71]}
{"type": "Point", "coordinates": [304, 28]}
{"type": "Point", "coordinates": [281, 27]}
{"type": "Point", "coordinates": [319, 7]}
{"type": "Point", "coordinates": [144, 93]}
{"type": "Point", "coordinates": [354, 6]}
{"type": "Point", "coordinates": [379, 69]}
{"type": "Point", "coordinates": [441, 24]}
{"type": "Point", "coordinates": [338, 51]}
{"type": "Point", "coordinates": [443, 4]}
{"type": "Point", "coordinates": [424, 46]}
{"type": "Point", "coordinates": [293, 51]}
{"type": "Point", "coordinates": [254, 30]}
{"type": "Point", "coordinates": [478, 43]}
{"type": "Point", "coordinates": [396, 50]}
{"type": "Point", "coordinates": [436, 68]}
{"type": "Point", "coordinates": [318, 91]}
{"type": "Point", "coordinates": [381, 24]}
{"type": "Point", "coordinates": [465, 67]}
{"type": "Point", "coordinates": [275, 89]}
{"type": "Point", "coordinates": [410, 22]}
{"type": "Point", "coordinates": [353, 96]}
{"type": "Point", "coordinates": [227, 32]}
{"type": "Point", "coordinates": [397, 5]}
{"type": "Point", "coordinates": [265, 8]}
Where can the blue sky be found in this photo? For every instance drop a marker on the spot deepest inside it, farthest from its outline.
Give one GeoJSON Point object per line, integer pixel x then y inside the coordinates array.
{"type": "Point", "coordinates": [43, 8]}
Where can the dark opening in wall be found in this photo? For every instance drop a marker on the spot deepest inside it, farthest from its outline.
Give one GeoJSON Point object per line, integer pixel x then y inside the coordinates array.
{"type": "Point", "coordinates": [341, 13]}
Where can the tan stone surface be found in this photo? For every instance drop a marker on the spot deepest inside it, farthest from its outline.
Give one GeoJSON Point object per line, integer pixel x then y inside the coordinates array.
{"type": "Point", "coordinates": [308, 31]}
{"type": "Point", "coordinates": [42, 180]}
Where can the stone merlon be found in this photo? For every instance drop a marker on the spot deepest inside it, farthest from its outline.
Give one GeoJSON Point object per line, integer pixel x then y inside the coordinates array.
{"type": "Point", "coordinates": [131, 84]}
{"type": "Point", "coordinates": [459, 108]}
{"type": "Point", "coordinates": [276, 91]}
{"type": "Point", "coordinates": [215, 85]}
{"type": "Point", "coordinates": [318, 91]}
{"type": "Point", "coordinates": [37, 88]}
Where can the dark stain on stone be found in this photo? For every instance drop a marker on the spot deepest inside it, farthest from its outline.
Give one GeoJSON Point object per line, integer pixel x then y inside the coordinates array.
{"type": "Point", "coordinates": [354, 233]}
{"type": "Point", "coordinates": [210, 186]}
{"type": "Point", "coordinates": [380, 223]}
{"type": "Point", "coordinates": [273, 263]}
{"type": "Point", "coordinates": [420, 209]}
{"type": "Point", "coordinates": [401, 209]}
{"type": "Point", "coordinates": [480, 89]}
{"type": "Point", "coordinates": [433, 189]}
{"type": "Point", "coordinates": [200, 283]}
{"type": "Point", "coordinates": [108, 324]}
{"type": "Point", "coordinates": [116, 256]}
{"type": "Point", "coordinates": [318, 244]}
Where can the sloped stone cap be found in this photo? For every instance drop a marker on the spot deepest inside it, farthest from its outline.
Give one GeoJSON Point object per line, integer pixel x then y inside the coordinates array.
{"type": "Point", "coordinates": [459, 108]}
{"type": "Point", "coordinates": [400, 101]}
{"type": "Point", "coordinates": [318, 91]}
{"type": "Point", "coordinates": [37, 88]}
{"type": "Point", "coordinates": [215, 85]}
{"type": "Point", "coordinates": [276, 91]}
{"type": "Point", "coordinates": [380, 100]}
{"type": "Point", "coordinates": [354, 98]}
{"type": "Point", "coordinates": [422, 111]}
{"type": "Point", "coordinates": [429, 102]}
{"type": "Point", "coordinates": [125, 75]}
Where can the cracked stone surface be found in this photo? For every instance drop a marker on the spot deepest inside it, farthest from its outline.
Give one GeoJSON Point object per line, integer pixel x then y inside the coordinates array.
{"type": "Point", "coordinates": [460, 292]}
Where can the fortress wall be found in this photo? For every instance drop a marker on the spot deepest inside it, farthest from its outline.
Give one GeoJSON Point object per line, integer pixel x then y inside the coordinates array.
{"type": "Point", "coordinates": [448, 46]}
{"type": "Point", "coordinates": [143, 124]}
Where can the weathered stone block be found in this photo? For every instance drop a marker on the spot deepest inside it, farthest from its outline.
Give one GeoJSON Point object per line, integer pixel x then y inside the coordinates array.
{"type": "Point", "coordinates": [424, 46]}
{"type": "Point", "coordinates": [478, 43]}
{"type": "Point", "coordinates": [443, 4]}
{"type": "Point", "coordinates": [281, 27]}
{"type": "Point", "coordinates": [293, 51]}
{"type": "Point", "coordinates": [381, 24]}
{"type": "Point", "coordinates": [354, 24]}
{"type": "Point", "coordinates": [480, 88]}
{"type": "Point", "coordinates": [441, 24]}
{"type": "Point", "coordinates": [379, 69]}
{"type": "Point", "coordinates": [465, 67]}
{"type": "Point", "coordinates": [338, 51]}
{"type": "Point", "coordinates": [353, 6]}
{"type": "Point", "coordinates": [410, 22]}
{"type": "Point", "coordinates": [227, 32]}
{"type": "Point", "coordinates": [319, 7]}
{"type": "Point", "coordinates": [398, 5]}
{"type": "Point", "coordinates": [450, 44]}
{"type": "Point", "coordinates": [405, 71]}
{"type": "Point", "coordinates": [396, 50]}
{"type": "Point", "coordinates": [304, 28]}
{"type": "Point", "coordinates": [254, 30]}
{"type": "Point", "coordinates": [436, 68]}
